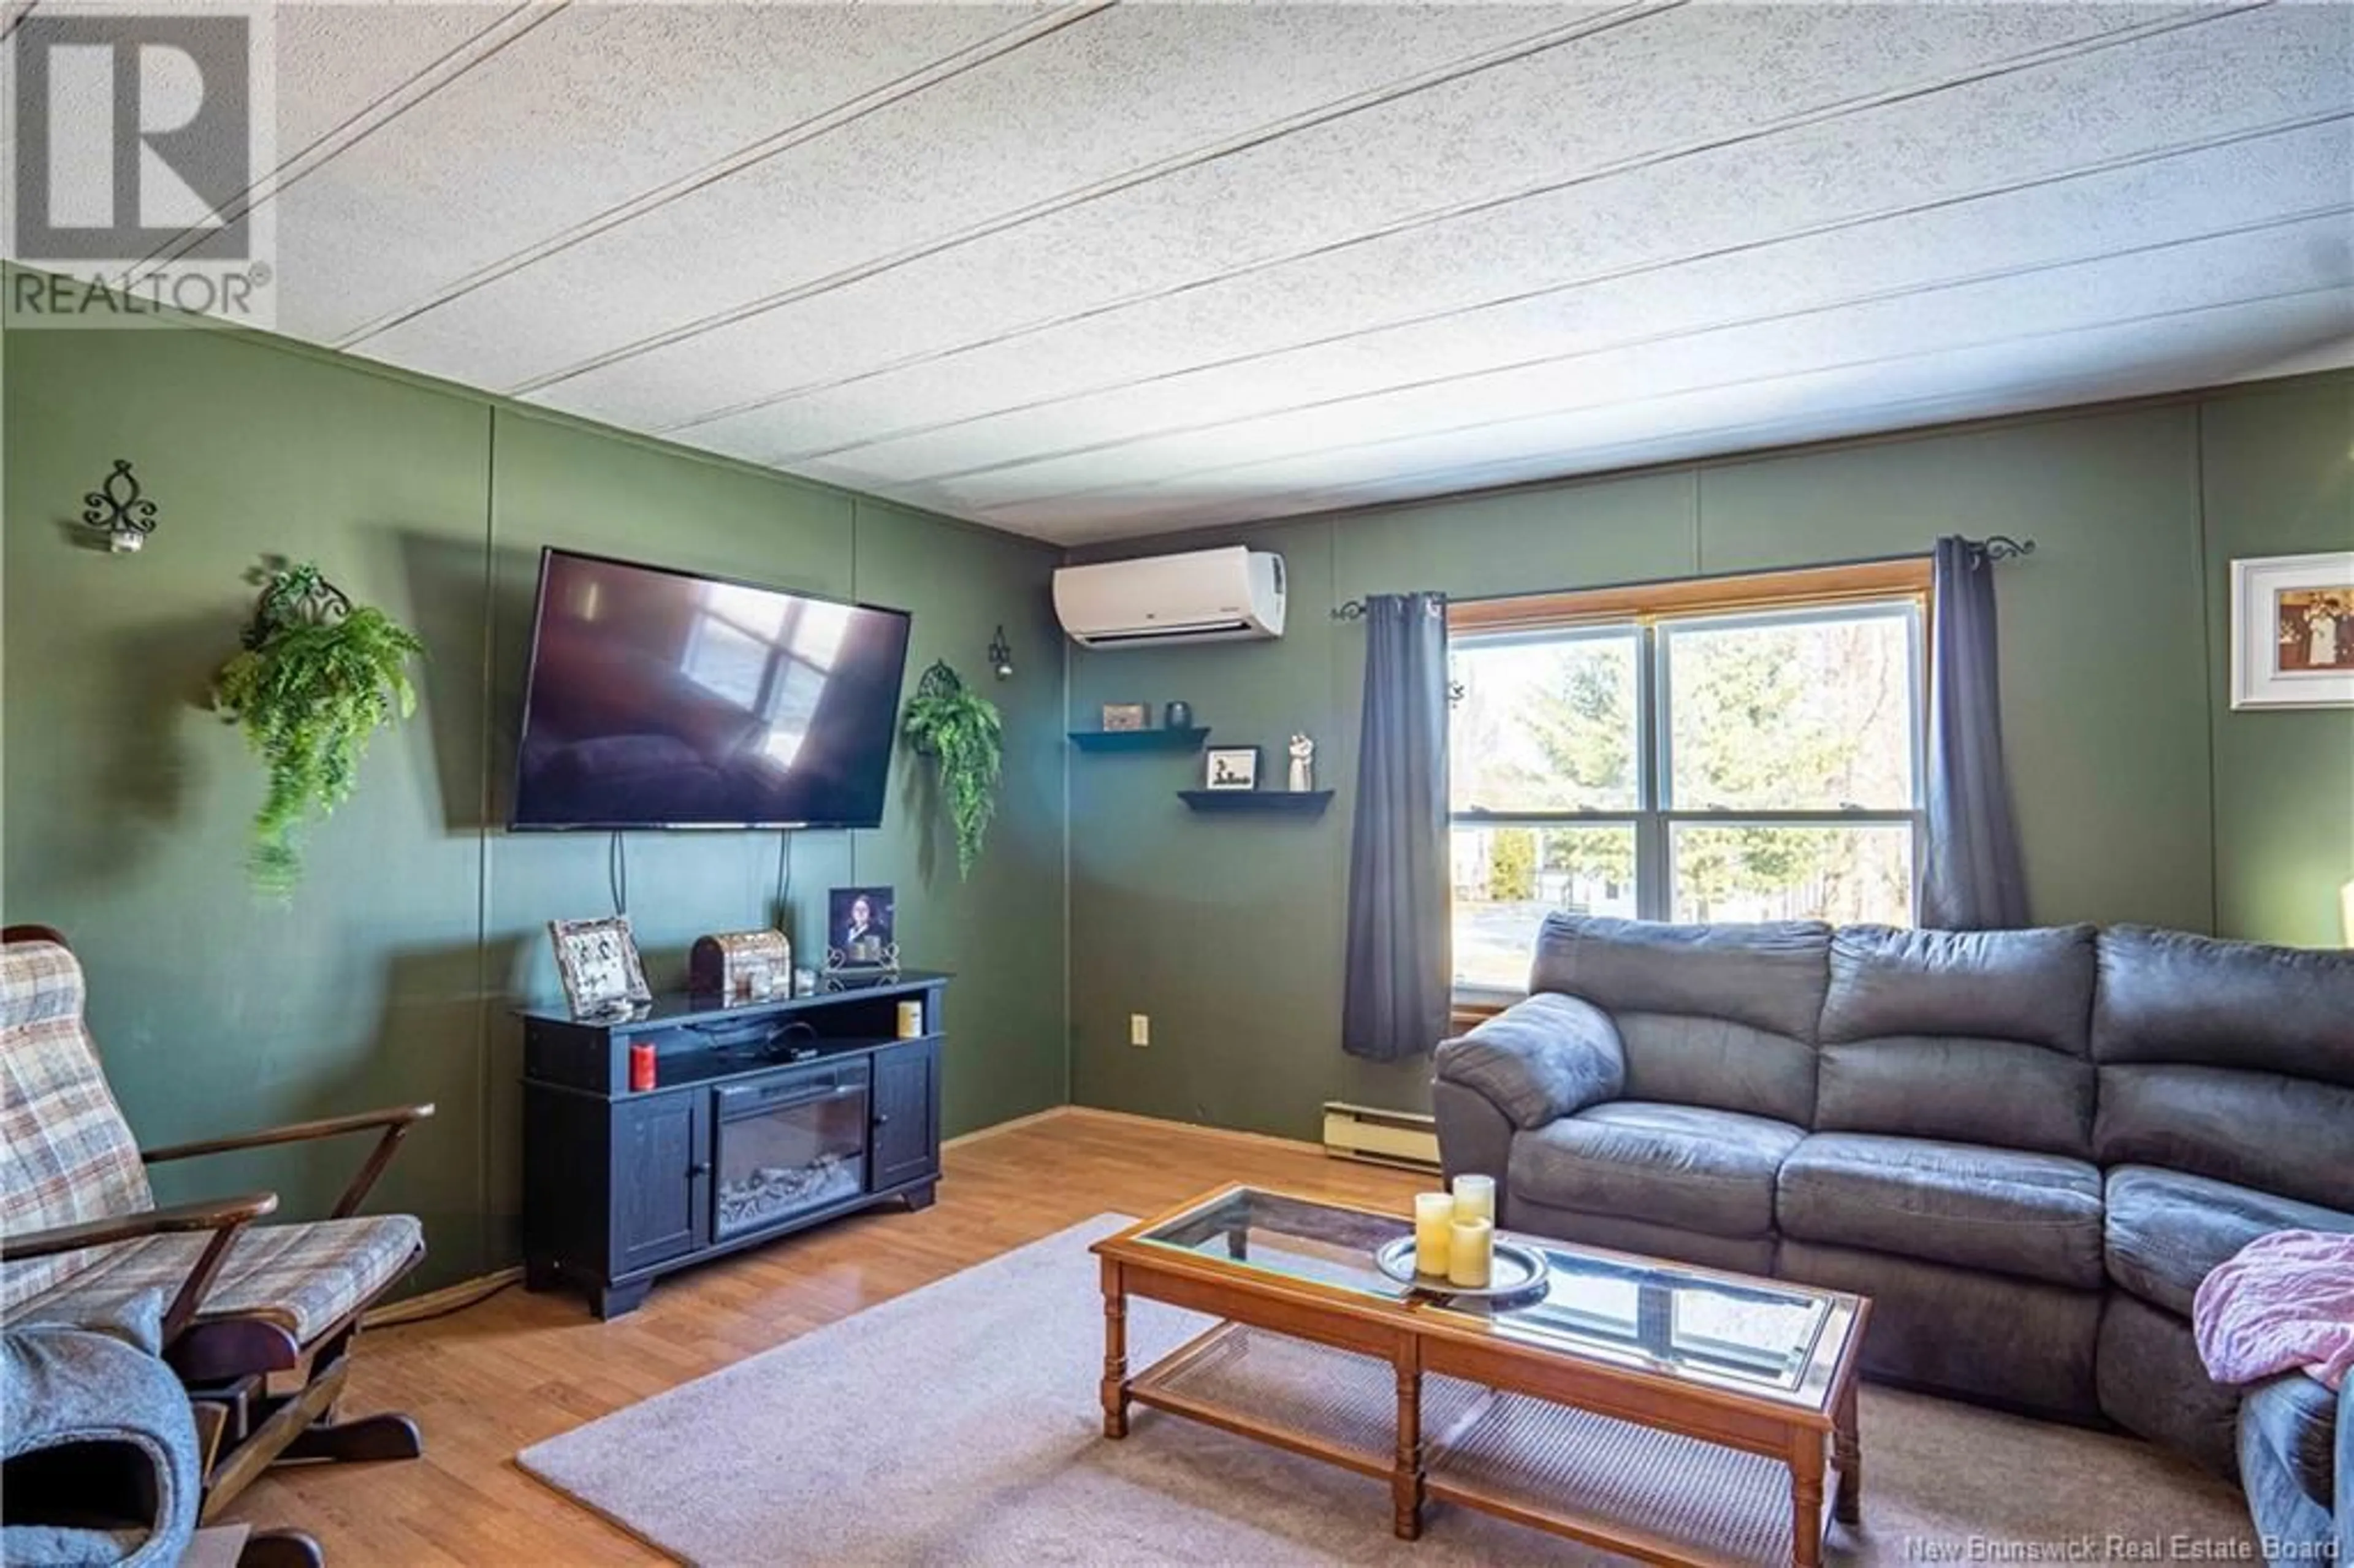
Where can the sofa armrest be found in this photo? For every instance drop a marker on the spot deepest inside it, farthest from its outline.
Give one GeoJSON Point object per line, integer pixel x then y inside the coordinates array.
{"type": "Point", "coordinates": [1541, 1059]}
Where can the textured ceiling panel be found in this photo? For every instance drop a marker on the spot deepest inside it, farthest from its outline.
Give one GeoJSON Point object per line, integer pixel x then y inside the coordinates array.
{"type": "Point", "coordinates": [1106, 98]}
{"type": "Point", "coordinates": [2120, 359]}
{"type": "Point", "coordinates": [574, 118]}
{"type": "Point", "coordinates": [2304, 257]}
{"type": "Point", "coordinates": [1125, 372]}
{"type": "Point", "coordinates": [1088, 270]}
{"type": "Point", "coordinates": [1567, 113]}
{"type": "Point", "coordinates": [335, 63]}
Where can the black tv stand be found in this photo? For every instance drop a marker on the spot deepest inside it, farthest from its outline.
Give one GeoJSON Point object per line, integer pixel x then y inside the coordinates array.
{"type": "Point", "coordinates": [766, 1118]}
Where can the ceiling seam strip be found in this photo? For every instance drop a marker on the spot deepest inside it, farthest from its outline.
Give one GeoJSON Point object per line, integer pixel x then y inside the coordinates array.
{"type": "Point", "coordinates": [2033, 59]}
{"type": "Point", "coordinates": [2338, 289]}
{"type": "Point", "coordinates": [949, 66]}
{"type": "Point", "coordinates": [1525, 296]}
{"type": "Point", "coordinates": [2026, 400]}
{"type": "Point", "coordinates": [1176, 162]}
{"type": "Point", "coordinates": [486, 45]}
{"type": "Point", "coordinates": [1731, 323]}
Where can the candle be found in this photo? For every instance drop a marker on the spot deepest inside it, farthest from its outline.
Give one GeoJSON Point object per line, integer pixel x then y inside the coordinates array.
{"type": "Point", "coordinates": [1471, 1254]}
{"type": "Point", "coordinates": [1475, 1198]}
{"type": "Point", "coordinates": [1434, 1233]}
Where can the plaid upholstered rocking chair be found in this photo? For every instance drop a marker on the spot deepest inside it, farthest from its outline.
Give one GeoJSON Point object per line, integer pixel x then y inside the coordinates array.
{"type": "Point", "coordinates": [258, 1320]}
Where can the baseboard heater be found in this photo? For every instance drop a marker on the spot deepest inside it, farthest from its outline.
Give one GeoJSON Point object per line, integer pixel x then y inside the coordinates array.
{"type": "Point", "coordinates": [1408, 1139]}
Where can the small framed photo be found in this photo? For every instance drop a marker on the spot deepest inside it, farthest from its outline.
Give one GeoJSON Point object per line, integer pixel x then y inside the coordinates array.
{"type": "Point", "coordinates": [1126, 716]}
{"type": "Point", "coordinates": [1232, 768]}
{"type": "Point", "coordinates": [2293, 631]}
{"type": "Point", "coordinates": [598, 962]}
{"type": "Point", "coordinates": [860, 929]}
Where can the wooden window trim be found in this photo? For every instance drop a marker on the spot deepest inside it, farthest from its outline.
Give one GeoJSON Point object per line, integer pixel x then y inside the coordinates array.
{"type": "Point", "coordinates": [1801, 588]}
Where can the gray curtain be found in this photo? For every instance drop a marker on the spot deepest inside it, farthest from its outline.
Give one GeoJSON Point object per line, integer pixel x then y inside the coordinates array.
{"type": "Point", "coordinates": [1972, 880]}
{"type": "Point", "coordinates": [1400, 971]}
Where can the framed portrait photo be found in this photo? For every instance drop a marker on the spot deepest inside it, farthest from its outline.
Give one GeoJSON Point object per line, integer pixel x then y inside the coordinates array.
{"type": "Point", "coordinates": [861, 929]}
{"type": "Point", "coordinates": [2293, 631]}
{"type": "Point", "coordinates": [1231, 767]}
{"type": "Point", "coordinates": [598, 960]}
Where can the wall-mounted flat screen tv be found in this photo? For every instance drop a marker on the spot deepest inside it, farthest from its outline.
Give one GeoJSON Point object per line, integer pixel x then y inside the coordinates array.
{"type": "Point", "coordinates": [661, 699]}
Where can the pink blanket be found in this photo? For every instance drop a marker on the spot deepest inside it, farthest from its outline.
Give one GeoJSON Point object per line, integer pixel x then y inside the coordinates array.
{"type": "Point", "coordinates": [2284, 1300]}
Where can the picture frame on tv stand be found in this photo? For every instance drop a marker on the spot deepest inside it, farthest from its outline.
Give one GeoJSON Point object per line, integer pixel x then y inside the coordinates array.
{"type": "Point", "coordinates": [862, 933]}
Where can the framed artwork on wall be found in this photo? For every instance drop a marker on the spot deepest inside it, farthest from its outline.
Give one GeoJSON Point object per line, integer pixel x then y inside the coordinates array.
{"type": "Point", "coordinates": [2293, 631]}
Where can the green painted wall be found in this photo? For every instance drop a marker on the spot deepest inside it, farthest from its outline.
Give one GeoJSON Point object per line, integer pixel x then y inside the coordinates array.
{"type": "Point", "coordinates": [2140, 796]}
{"type": "Point", "coordinates": [2278, 478]}
{"type": "Point", "coordinates": [391, 975]}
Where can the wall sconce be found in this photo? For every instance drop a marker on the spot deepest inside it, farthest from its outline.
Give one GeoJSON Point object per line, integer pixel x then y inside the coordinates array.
{"type": "Point", "coordinates": [116, 510]}
{"type": "Point", "coordinates": [1001, 655]}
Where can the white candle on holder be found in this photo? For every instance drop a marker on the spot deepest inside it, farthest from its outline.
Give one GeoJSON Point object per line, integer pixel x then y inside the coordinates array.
{"type": "Point", "coordinates": [1471, 1254]}
{"type": "Point", "coordinates": [1475, 1198]}
{"type": "Point", "coordinates": [1434, 1233]}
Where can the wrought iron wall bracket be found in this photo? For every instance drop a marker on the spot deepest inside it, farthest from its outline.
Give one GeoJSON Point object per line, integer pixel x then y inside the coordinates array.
{"type": "Point", "coordinates": [118, 510]}
{"type": "Point", "coordinates": [292, 594]}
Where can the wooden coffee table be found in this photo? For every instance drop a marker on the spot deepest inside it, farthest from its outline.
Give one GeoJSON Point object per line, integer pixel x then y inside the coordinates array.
{"type": "Point", "coordinates": [1674, 1413]}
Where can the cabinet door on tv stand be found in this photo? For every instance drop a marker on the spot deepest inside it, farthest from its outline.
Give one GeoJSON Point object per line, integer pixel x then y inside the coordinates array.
{"type": "Point", "coordinates": [661, 1169]}
{"type": "Point", "coordinates": [906, 1138]}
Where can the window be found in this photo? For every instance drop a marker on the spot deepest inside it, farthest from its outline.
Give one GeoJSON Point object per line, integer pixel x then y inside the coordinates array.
{"type": "Point", "coordinates": [1735, 749]}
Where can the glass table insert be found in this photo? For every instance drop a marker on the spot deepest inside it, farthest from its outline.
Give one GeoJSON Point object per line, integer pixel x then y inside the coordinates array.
{"type": "Point", "coordinates": [1763, 1338]}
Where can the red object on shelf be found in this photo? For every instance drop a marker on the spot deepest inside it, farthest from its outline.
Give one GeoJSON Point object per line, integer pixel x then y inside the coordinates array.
{"type": "Point", "coordinates": [642, 1065]}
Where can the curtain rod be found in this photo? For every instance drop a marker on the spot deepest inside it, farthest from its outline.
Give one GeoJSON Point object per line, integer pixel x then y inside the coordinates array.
{"type": "Point", "coordinates": [1994, 547]}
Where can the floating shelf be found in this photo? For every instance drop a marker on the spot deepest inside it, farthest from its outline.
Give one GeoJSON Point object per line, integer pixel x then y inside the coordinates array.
{"type": "Point", "coordinates": [1284, 802]}
{"type": "Point", "coordinates": [1139, 739]}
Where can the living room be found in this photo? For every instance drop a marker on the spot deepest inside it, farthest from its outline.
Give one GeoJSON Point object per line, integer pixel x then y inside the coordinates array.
{"type": "Point", "coordinates": [1777, 544]}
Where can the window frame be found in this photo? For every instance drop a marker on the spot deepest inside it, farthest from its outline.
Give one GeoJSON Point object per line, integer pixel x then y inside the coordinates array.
{"type": "Point", "coordinates": [1898, 588]}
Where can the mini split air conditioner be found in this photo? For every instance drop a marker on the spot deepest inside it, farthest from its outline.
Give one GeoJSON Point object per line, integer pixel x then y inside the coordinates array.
{"type": "Point", "coordinates": [1203, 596]}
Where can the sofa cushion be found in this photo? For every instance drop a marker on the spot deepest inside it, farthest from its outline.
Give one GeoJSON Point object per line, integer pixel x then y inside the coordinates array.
{"type": "Point", "coordinates": [2166, 1229]}
{"type": "Point", "coordinates": [1687, 1166]}
{"type": "Point", "coordinates": [2265, 1130]}
{"type": "Point", "coordinates": [1769, 976]}
{"type": "Point", "coordinates": [1946, 1033]}
{"type": "Point", "coordinates": [2034, 987]}
{"type": "Point", "coordinates": [2034, 1215]}
{"type": "Point", "coordinates": [304, 1279]}
{"type": "Point", "coordinates": [1717, 1062]}
{"type": "Point", "coordinates": [2169, 996]}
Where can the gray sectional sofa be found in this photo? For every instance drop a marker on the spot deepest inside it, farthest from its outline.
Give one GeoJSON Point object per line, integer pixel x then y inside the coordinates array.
{"type": "Point", "coordinates": [2027, 1147]}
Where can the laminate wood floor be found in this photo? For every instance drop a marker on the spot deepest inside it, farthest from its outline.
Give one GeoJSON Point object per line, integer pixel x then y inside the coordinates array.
{"type": "Point", "coordinates": [494, 1378]}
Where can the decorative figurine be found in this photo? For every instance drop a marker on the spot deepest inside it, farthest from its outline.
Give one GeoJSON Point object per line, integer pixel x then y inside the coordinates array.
{"type": "Point", "coordinates": [1303, 764]}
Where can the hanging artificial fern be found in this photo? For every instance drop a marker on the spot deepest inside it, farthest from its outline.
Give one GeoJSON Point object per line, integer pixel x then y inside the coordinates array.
{"type": "Point", "coordinates": [962, 733]}
{"type": "Point", "coordinates": [318, 676]}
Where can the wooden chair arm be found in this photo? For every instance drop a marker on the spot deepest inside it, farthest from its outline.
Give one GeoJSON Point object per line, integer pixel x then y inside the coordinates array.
{"type": "Point", "coordinates": [392, 1117]}
{"type": "Point", "coordinates": [394, 1121]}
{"type": "Point", "coordinates": [212, 1215]}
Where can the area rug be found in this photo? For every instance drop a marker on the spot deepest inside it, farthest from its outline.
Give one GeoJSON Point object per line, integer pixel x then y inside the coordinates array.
{"type": "Point", "coordinates": [959, 1424]}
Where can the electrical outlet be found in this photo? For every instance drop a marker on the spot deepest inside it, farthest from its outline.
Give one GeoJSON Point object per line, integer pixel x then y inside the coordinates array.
{"type": "Point", "coordinates": [1139, 1029]}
